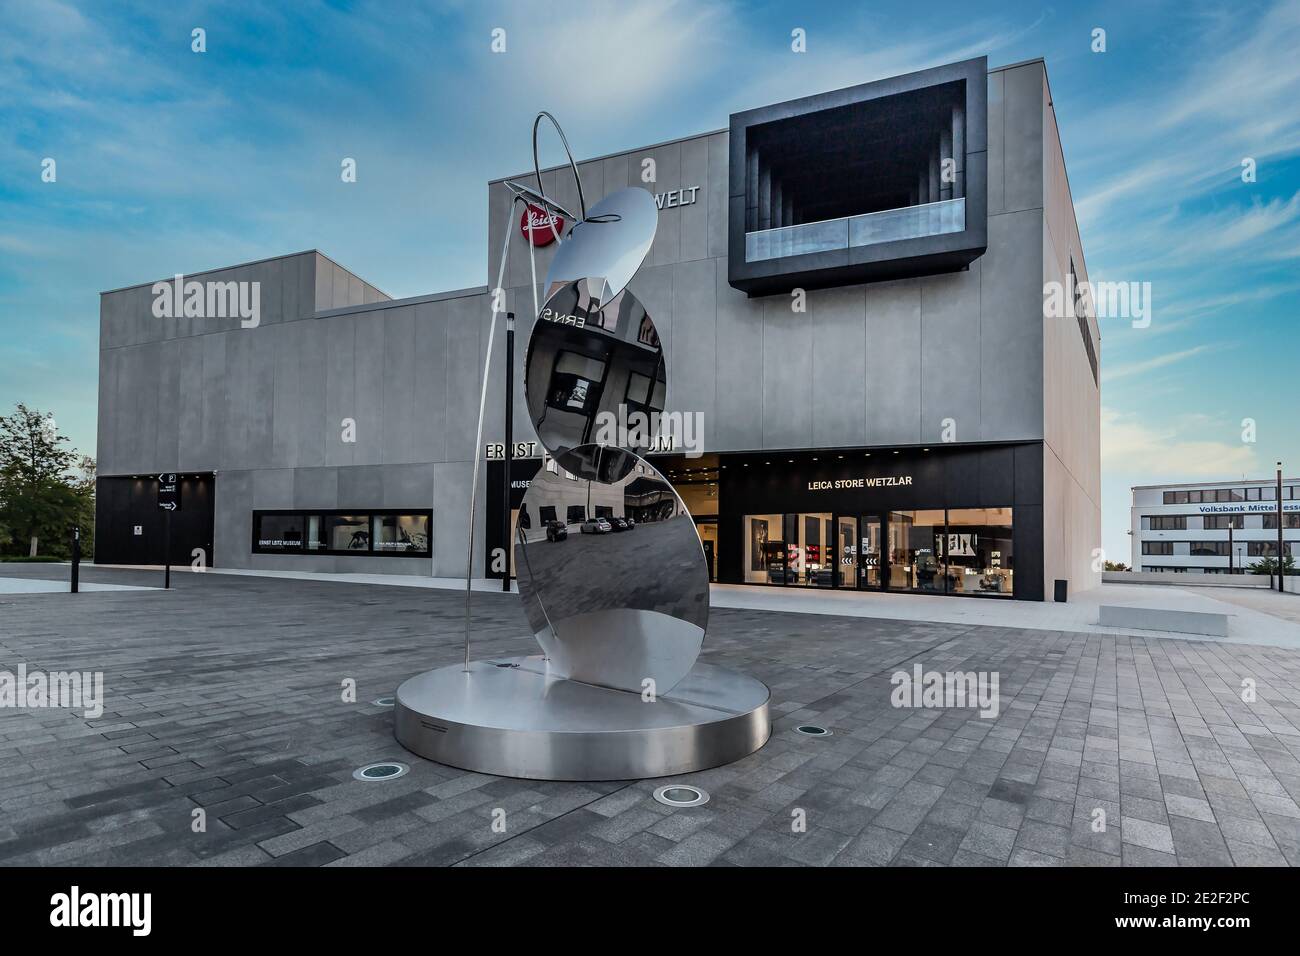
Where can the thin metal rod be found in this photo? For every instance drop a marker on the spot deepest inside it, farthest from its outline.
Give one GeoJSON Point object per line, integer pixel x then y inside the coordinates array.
{"type": "Point", "coordinates": [509, 447]}
{"type": "Point", "coordinates": [537, 168]}
{"type": "Point", "coordinates": [478, 441]}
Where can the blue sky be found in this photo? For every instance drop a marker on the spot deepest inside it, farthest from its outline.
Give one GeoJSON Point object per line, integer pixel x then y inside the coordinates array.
{"type": "Point", "coordinates": [171, 161]}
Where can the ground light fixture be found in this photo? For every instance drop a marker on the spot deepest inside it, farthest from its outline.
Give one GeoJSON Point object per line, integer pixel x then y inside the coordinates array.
{"type": "Point", "coordinates": [813, 730]}
{"type": "Point", "coordinates": [681, 795]}
{"type": "Point", "coordinates": [384, 770]}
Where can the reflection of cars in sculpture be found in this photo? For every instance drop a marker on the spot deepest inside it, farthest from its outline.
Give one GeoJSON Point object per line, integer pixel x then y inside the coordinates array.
{"type": "Point", "coordinates": [596, 526]}
{"type": "Point", "coordinates": [619, 524]}
{"type": "Point", "coordinates": [556, 531]}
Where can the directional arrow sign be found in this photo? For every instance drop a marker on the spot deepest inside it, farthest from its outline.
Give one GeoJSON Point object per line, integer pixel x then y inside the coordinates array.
{"type": "Point", "coordinates": [169, 492]}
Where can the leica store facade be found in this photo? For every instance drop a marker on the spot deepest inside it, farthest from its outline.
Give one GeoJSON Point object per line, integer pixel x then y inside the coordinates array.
{"type": "Point", "coordinates": [848, 289]}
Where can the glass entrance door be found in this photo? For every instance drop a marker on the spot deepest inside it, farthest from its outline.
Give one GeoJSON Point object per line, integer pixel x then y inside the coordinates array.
{"type": "Point", "coordinates": [871, 556]}
{"type": "Point", "coordinates": [846, 552]}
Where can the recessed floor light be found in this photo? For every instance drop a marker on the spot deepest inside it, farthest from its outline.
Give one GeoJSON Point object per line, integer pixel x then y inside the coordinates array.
{"type": "Point", "coordinates": [680, 795]}
{"type": "Point", "coordinates": [385, 770]}
{"type": "Point", "coordinates": [383, 701]}
{"type": "Point", "coordinates": [812, 730]}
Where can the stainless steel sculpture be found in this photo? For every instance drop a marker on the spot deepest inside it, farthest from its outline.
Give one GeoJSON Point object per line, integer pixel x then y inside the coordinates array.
{"type": "Point", "coordinates": [611, 571]}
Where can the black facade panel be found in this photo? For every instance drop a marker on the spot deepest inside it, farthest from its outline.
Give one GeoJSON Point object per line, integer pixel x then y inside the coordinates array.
{"type": "Point", "coordinates": [123, 503]}
{"type": "Point", "coordinates": [1029, 473]}
{"type": "Point", "coordinates": [997, 475]}
{"type": "Point", "coordinates": [1027, 536]}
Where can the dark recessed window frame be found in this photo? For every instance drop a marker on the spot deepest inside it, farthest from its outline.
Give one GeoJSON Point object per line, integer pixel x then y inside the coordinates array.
{"type": "Point", "coordinates": [941, 251]}
{"type": "Point", "coordinates": [369, 514]}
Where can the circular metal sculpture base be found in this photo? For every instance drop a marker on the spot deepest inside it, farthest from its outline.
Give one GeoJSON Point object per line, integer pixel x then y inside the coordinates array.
{"type": "Point", "coordinates": [513, 718]}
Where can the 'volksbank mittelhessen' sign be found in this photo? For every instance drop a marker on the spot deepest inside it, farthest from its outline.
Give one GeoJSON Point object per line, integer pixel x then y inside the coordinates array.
{"type": "Point", "coordinates": [1247, 507]}
{"type": "Point", "coordinates": [888, 482]}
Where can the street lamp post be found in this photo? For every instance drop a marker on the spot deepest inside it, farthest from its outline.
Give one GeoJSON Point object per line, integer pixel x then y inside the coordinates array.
{"type": "Point", "coordinates": [1280, 585]}
{"type": "Point", "coordinates": [1230, 571]}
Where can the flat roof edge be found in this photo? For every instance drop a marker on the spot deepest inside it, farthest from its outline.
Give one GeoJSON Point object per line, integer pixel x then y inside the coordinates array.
{"type": "Point", "coordinates": [400, 303]}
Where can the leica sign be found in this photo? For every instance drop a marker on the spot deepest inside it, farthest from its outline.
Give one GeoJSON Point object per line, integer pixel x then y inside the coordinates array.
{"type": "Point", "coordinates": [540, 222]}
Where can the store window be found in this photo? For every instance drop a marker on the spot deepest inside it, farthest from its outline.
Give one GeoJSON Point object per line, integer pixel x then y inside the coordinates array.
{"type": "Point", "coordinates": [393, 533]}
{"type": "Point", "coordinates": [812, 551]}
{"type": "Point", "coordinates": [400, 533]}
{"type": "Point", "coordinates": [765, 554]}
{"type": "Point", "coordinates": [280, 533]}
{"type": "Point", "coordinates": [979, 551]}
{"type": "Point", "coordinates": [348, 532]}
{"type": "Point", "coordinates": [916, 551]}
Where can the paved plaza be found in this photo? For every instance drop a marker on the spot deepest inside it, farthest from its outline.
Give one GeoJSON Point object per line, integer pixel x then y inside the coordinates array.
{"type": "Point", "coordinates": [227, 694]}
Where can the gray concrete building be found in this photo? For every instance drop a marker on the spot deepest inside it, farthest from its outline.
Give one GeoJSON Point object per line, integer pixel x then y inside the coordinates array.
{"type": "Point", "coordinates": [849, 289]}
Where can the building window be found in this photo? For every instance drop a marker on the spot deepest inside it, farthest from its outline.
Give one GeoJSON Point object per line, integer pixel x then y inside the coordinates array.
{"type": "Point", "coordinates": [1267, 549]}
{"type": "Point", "coordinates": [392, 533]}
{"type": "Point", "coordinates": [812, 551]}
{"type": "Point", "coordinates": [400, 533]}
{"type": "Point", "coordinates": [1175, 497]}
{"type": "Point", "coordinates": [1081, 314]}
{"type": "Point", "coordinates": [916, 551]}
{"type": "Point", "coordinates": [1205, 549]}
{"type": "Point", "coordinates": [1157, 547]}
{"type": "Point", "coordinates": [1290, 520]}
{"type": "Point", "coordinates": [978, 549]}
{"type": "Point", "coordinates": [576, 383]}
{"type": "Point", "coordinates": [1166, 522]}
{"type": "Point", "coordinates": [960, 551]}
{"type": "Point", "coordinates": [277, 533]}
{"type": "Point", "coordinates": [764, 545]}
{"type": "Point", "coordinates": [1222, 522]}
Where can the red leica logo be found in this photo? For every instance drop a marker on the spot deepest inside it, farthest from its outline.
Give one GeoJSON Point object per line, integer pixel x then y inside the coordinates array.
{"type": "Point", "coordinates": [540, 223]}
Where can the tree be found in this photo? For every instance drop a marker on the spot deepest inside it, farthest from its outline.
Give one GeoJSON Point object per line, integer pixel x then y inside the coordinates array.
{"type": "Point", "coordinates": [1116, 566]}
{"type": "Point", "coordinates": [1269, 566]}
{"type": "Point", "coordinates": [40, 498]}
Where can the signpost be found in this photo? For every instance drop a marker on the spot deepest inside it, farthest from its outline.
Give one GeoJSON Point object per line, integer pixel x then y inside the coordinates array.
{"type": "Point", "coordinates": [169, 500]}
{"type": "Point", "coordinates": [76, 557]}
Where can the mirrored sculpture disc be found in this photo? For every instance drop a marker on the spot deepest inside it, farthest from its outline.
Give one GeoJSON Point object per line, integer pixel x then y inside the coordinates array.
{"type": "Point", "coordinates": [609, 246]}
{"type": "Point", "coordinates": [612, 573]}
{"type": "Point", "coordinates": [594, 375]}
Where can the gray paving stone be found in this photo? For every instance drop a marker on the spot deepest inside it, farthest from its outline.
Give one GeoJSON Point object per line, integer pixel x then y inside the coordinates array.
{"type": "Point", "coordinates": [240, 726]}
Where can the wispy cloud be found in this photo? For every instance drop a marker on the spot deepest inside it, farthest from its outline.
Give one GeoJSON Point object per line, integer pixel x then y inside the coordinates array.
{"type": "Point", "coordinates": [1160, 361]}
